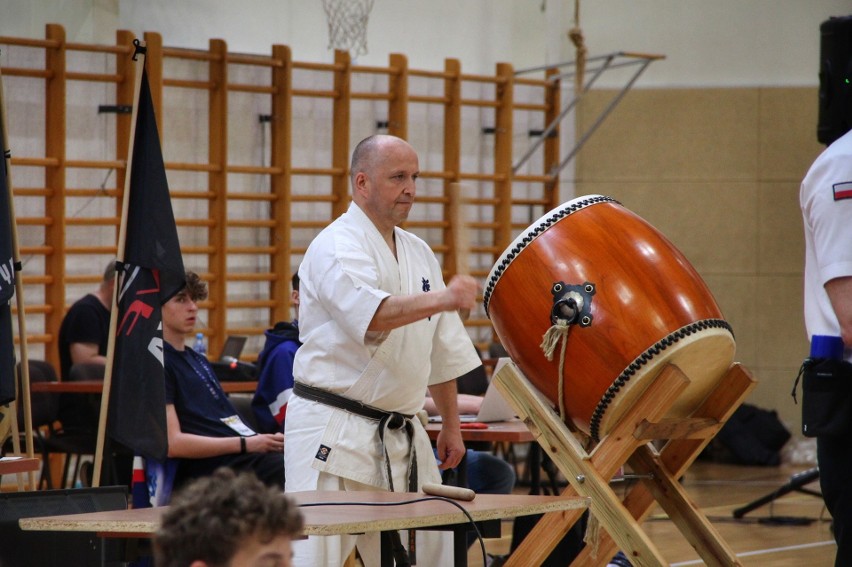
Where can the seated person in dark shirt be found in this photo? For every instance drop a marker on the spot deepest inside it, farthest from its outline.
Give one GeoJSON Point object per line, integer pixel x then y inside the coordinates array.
{"type": "Point", "coordinates": [204, 429]}
{"type": "Point", "coordinates": [83, 339]}
{"type": "Point", "coordinates": [84, 333]}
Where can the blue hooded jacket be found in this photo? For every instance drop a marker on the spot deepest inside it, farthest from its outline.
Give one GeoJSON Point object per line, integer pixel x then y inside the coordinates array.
{"type": "Point", "coordinates": [275, 376]}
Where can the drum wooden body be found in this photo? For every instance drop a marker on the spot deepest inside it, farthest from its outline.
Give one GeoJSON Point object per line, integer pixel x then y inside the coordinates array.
{"type": "Point", "coordinates": [638, 304]}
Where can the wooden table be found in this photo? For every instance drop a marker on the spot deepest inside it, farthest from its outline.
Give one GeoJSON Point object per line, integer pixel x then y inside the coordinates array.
{"type": "Point", "coordinates": [11, 465]}
{"type": "Point", "coordinates": [338, 513]}
{"type": "Point", "coordinates": [96, 387]}
{"type": "Point", "coordinates": [512, 431]}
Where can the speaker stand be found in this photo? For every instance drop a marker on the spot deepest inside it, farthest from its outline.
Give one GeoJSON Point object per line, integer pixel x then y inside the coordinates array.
{"type": "Point", "coordinates": [797, 483]}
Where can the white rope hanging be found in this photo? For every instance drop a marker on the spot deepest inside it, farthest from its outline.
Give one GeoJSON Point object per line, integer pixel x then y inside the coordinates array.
{"type": "Point", "coordinates": [554, 335]}
{"type": "Point", "coordinates": [592, 538]}
{"type": "Point", "coordinates": [558, 333]}
{"type": "Point", "coordinates": [575, 34]}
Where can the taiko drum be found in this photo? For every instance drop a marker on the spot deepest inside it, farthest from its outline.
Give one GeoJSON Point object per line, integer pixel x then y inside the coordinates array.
{"type": "Point", "coordinates": [632, 304]}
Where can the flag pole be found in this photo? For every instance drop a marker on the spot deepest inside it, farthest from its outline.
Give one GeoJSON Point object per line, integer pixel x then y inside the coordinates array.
{"type": "Point", "coordinates": [19, 295]}
{"type": "Point", "coordinates": [139, 55]}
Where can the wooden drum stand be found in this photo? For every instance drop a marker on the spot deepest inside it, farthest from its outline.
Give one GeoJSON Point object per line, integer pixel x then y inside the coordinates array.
{"type": "Point", "coordinates": [629, 441]}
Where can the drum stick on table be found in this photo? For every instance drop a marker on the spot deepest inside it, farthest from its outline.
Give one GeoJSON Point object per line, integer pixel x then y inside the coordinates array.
{"type": "Point", "coordinates": [454, 492]}
{"type": "Point", "coordinates": [460, 237]}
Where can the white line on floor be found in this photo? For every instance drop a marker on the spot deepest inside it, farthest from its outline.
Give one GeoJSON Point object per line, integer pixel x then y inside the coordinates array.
{"type": "Point", "coordinates": [763, 552]}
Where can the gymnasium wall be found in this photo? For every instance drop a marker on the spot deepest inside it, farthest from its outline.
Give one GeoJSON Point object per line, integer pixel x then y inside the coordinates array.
{"type": "Point", "coordinates": [710, 145]}
{"type": "Point", "coordinates": [725, 43]}
{"type": "Point", "coordinates": [718, 172]}
{"type": "Point", "coordinates": [256, 150]}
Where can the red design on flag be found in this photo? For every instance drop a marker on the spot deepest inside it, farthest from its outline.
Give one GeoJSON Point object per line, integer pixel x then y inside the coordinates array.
{"type": "Point", "coordinates": [138, 308]}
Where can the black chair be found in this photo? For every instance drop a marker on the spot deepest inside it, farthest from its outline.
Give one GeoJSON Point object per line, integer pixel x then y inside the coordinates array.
{"type": "Point", "coordinates": [49, 434]}
{"type": "Point", "coordinates": [44, 407]}
{"type": "Point", "coordinates": [86, 371]}
{"type": "Point", "coordinates": [81, 411]}
{"type": "Point", "coordinates": [242, 403]}
{"type": "Point", "coordinates": [118, 460]}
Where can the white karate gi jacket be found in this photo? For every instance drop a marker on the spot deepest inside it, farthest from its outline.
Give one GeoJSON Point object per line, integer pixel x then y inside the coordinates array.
{"type": "Point", "coordinates": [346, 273]}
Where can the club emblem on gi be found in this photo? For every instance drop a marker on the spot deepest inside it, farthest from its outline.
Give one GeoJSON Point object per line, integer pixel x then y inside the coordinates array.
{"type": "Point", "coordinates": [323, 452]}
{"type": "Point", "coordinates": [426, 287]}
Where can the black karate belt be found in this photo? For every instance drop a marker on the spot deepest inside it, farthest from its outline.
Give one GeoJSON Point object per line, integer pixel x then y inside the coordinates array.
{"type": "Point", "coordinates": [387, 420]}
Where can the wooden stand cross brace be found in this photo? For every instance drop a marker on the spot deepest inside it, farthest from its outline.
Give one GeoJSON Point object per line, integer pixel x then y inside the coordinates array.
{"type": "Point", "coordinates": [629, 442]}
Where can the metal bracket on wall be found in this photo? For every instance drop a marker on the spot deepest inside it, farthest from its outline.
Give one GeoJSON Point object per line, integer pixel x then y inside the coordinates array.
{"type": "Point", "coordinates": [115, 109]}
{"type": "Point", "coordinates": [598, 65]}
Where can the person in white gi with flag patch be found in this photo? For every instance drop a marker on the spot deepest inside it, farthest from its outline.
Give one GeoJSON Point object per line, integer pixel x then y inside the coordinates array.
{"type": "Point", "coordinates": [825, 198]}
{"type": "Point", "coordinates": [378, 326]}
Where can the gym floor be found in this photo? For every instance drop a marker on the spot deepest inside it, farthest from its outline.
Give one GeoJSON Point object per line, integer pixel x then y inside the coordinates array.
{"type": "Point", "coordinates": [792, 530]}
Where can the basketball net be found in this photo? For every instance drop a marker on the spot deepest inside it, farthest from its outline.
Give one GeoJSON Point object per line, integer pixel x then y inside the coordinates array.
{"type": "Point", "coordinates": [347, 24]}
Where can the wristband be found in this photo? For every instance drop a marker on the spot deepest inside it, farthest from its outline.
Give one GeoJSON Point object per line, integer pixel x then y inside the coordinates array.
{"type": "Point", "coordinates": [242, 445]}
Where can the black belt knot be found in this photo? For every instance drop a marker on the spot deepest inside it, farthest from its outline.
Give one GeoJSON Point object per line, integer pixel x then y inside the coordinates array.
{"type": "Point", "coordinates": [395, 420]}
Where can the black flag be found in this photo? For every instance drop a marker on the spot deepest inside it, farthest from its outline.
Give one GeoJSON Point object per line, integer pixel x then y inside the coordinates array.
{"type": "Point", "coordinates": [7, 282]}
{"type": "Point", "coordinates": [152, 272]}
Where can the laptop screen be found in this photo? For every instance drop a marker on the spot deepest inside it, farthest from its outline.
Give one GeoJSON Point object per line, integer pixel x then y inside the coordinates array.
{"type": "Point", "coordinates": [233, 347]}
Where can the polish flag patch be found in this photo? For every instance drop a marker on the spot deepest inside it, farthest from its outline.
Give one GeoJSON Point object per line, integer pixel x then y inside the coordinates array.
{"type": "Point", "coordinates": [842, 190]}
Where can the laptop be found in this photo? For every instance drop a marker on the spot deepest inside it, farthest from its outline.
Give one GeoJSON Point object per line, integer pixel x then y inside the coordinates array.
{"type": "Point", "coordinates": [494, 406]}
{"type": "Point", "coordinates": [229, 368]}
{"type": "Point", "coordinates": [233, 348]}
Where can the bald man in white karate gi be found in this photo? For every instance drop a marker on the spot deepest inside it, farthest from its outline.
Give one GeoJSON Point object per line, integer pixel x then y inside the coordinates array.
{"type": "Point", "coordinates": [378, 326]}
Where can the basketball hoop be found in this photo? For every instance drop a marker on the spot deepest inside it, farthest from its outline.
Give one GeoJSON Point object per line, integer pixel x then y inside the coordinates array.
{"type": "Point", "coordinates": [347, 24]}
